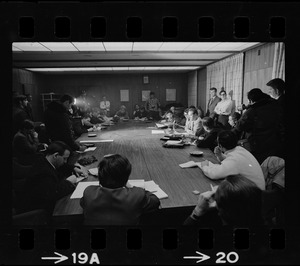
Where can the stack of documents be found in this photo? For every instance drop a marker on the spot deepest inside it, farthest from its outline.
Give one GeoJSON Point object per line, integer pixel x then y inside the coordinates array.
{"type": "Point", "coordinates": [157, 131]}
{"type": "Point", "coordinates": [190, 164]}
{"type": "Point", "coordinates": [78, 192]}
{"type": "Point", "coordinates": [150, 186]}
{"type": "Point", "coordinates": [160, 125]}
{"type": "Point", "coordinates": [88, 149]}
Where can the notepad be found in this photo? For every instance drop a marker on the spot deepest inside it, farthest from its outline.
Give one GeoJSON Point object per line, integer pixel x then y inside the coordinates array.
{"type": "Point", "coordinates": [160, 194]}
{"type": "Point", "coordinates": [93, 171]}
{"type": "Point", "coordinates": [96, 140]}
{"type": "Point", "coordinates": [157, 131]}
{"type": "Point", "coordinates": [137, 183]}
{"type": "Point", "coordinates": [172, 142]}
{"type": "Point", "coordinates": [88, 149]}
{"type": "Point", "coordinates": [190, 164]}
{"type": "Point", "coordinates": [151, 186]}
{"type": "Point", "coordinates": [78, 192]}
{"type": "Point", "coordinates": [160, 125]}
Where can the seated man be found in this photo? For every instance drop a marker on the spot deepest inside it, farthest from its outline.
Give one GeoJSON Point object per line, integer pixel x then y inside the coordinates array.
{"type": "Point", "coordinates": [208, 135]}
{"type": "Point", "coordinates": [96, 117]}
{"type": "Point", "coordinates": [232, 119]}
{"type": "Point", "coordinates": [46, 183]}
{"type": "Point", "coordinates": [193, 122]}
{"type": "Point", "coordinates": [113, 203]}
{"type": "Point", "coordinates": [235, 160]}
{"type": "Point", "coordinates": [237, 200]}
{"type": "Point", "coordinates": [82, 125]}
{"type": "Point", "coordinates": [121, 114]}
{"type": "Point", "coordinates": [26, 144]}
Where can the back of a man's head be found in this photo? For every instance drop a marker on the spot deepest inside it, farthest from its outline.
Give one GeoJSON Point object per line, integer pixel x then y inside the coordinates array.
{"type": "Point", "coordinates": [239, 201]}
{"type": "Point", "coordinates": [227, 139]}
{"type": "Point", "coordinates": [57, 146]}
{"type": "Point", "coordinates": [208, 122]}
{"type": "Point", "coordinates": [114, 171]}
{"type": "Point", "coordinates": [67, 97]}
{"type": "Point", "coordinates": [256, 95]}
{"type": "Point", "coordinates": [27, 124]}
{"type": "Point", "coordinates": [277, 84]}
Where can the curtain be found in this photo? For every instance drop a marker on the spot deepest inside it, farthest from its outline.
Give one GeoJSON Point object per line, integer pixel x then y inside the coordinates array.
{"type": "Point", "coordinates": [227, 73]}
{"type": "Point", "coordinates": [279, 61]}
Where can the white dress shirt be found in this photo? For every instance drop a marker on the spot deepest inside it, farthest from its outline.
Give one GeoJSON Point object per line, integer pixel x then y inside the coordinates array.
{"type": "Point", "coordinates": [224, 107]}
{"type": "Point", "coordinates": [105, 105]}
{"type": "Point", "coordinates": [238, 161]}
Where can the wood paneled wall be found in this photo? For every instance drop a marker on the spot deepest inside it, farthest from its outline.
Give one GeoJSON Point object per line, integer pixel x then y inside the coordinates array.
{"type": "Point", "coordinates": [192, 88]}
{"type": "Point", "coordinates": [258, 68]}
{"type": "Point", "coordinates": [111, 84]}
{"type": "Point", "coordinates": [26, 82]}
{"type": "Point", "coordinates": [201, 88]}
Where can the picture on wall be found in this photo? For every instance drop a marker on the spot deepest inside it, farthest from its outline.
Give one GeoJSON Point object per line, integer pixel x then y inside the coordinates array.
{"type": "Point", "coordinates": [145, 95]}
{"type": "Point", "coordinates": [146, 80]}
{"type": "Point", "coordinates": [170, 95]}
{"type": "Point", "coordinates": [124, 95]}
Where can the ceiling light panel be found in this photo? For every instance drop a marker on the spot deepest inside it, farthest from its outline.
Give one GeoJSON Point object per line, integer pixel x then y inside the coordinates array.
{"type": "Point", "coordinates": [104, 68]}
{"type": "Point", "coordinates": [118, 46]}
{"type": "Point", "coordinates": [120, 68]}
{"type": "Point", "coordinates": [89, 46]}
{"type": "Point", "coordinates": [30, 47]}
{"type": "Point", "coordinates": [152, 68]}
{"type": "Point", "coordinates": [146, 46]}
{"type": "Point", "coordinates": [201, 46]}
{"type": "Point", "coordinates": [136, 68]}
{"type": "Point", "coordinates": [174, 46]}
{"type": "Point", "coordinates": [60, 46]}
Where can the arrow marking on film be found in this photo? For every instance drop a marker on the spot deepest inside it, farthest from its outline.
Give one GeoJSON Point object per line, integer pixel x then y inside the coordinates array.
{"type": "Point", "coordinates": [200, 258]}
{"type": "Point", "coordinates": [58, 259]}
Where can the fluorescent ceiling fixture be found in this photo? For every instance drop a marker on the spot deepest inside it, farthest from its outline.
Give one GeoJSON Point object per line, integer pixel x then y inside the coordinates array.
{"type": "Point", "coordinates": [136, 68]}
{"type": "Point", "coordinates": [167, 68]}
{"type": "Point", "coordinates": [89, 46]}
{"type": "Point", "coordinates": [174, 46]}
{"type": "Point", "coordinates": [104, 68]}
{"type": "Point", "coordinates": [233, 46]}
{"type": "Point", "coordinates": [118, 46]}
{"type": "Point", "coordinates": [59, 46]}
{"type": "Point", "coordinates": [119, 68]}
{"type": "Point", "coordinates": [30, 47]}
{"type": "Point", "coordinates": [62, 69]}
{"type": "Point", "coordinates": [15, 49]}
{"type": "Point", "coordinates": [152, 68]}
{"type": "Point", "coordinates": [187, 67]}
{"type": "Point", "coordinates": [201, 46]}
{"type": "Point", "coordinates": [146, 46]}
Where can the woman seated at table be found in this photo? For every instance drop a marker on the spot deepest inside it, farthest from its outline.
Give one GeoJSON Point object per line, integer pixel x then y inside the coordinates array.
{"type": "Point", "coordinates": [208, 138]}
{"type": "Point", "coordinates": [121, 114]}
{"type": "Point", "coordinates": [112, 202]}
{"type": "Point", "coordinates": [237, 201]}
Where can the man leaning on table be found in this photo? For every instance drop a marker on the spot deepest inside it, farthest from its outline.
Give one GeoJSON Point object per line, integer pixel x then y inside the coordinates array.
{"type": "Point", "coordinates": [235, 160]}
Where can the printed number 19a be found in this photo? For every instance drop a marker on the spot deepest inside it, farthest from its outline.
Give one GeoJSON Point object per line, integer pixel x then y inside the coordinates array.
{"type": "Point", "coordinates": [231, 257]}
{"type": "Point", "coordinates": [83, 258]}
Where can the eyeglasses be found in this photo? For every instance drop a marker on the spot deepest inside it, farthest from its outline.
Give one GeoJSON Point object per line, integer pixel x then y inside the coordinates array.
{"type": "Point", "coordinates": [222, 94]}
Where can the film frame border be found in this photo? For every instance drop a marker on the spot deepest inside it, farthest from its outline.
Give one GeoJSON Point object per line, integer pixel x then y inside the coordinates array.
{"type": "Point", "coordinates": [186, 14]}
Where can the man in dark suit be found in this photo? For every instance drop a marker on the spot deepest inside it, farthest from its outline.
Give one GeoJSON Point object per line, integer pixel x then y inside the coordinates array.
{"type": "Point", "coordinates": [213, 101]}
{"type": "Point", "coordinates": [114, 202]}
{"type": "Point", "coordinates": [46, 183]}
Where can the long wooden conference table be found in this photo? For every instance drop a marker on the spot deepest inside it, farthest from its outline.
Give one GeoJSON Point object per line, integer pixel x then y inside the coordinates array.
{"type": "Point", "coordinates": [150, 161]}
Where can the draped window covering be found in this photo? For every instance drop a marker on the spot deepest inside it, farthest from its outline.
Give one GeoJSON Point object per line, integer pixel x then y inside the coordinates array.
{"type": "Point", "coordinates": [279, 61]}
{"type": "Point", "coordinates": [227, 73]}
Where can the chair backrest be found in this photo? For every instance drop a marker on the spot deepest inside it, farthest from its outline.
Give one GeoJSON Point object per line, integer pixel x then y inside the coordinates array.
{"type": "Point", "coordinates": [273, 169]}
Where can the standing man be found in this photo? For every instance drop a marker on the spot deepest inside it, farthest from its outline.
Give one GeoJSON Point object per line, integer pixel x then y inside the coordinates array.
{"type": "Point", "coordinates": [213, 101]}
{"type": "Point", "coordinates": [58, 122]}
{"type": "Point", "coordinates": [223, 109]}
{"type": "Point", "coordinates": [28, 108]}
{"type": "Point", "coordinates": [105, 105]}
{"type": "Point", "coordinates": [152, 106]}
{"type": "Point", "coordinates": [19, 114]}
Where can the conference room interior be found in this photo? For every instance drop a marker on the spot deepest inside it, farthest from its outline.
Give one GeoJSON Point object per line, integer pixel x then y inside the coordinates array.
{"type": "Point", "coordinates": [179, 73]}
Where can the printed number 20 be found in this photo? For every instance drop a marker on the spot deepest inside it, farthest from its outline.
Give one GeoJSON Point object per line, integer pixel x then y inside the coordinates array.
{"type": "Point", "coordinates": [228, 257]}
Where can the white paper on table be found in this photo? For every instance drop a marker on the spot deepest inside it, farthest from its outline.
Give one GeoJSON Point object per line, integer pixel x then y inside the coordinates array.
{"type": "Point", "coordinates": [151, 186]}
{"type": "Point", "coordinates": [188, 164]}
{"type": "Point", "coordinates": [78, 192]}
{"type": "Point", "coordinates": [160, 193]}
{"type": "Point", "coordinates": [93, 171]}
{"type": "Point", "coordinates": [88, 149]}
{"type": "Point", "coordinates": [180, 133]}
{"type": "Point", "coordinates": [160, 125]}
{"type": "Point", "coordinates": [137, 183]}
{"type": "Point", "coordinates": [80, 178]}
{"type": "Point", "coordinates": [96, 140]}
{"type": "Point", "coordinates": [171, 142]}
{"type": "Point", "coordinates": [157, 131]}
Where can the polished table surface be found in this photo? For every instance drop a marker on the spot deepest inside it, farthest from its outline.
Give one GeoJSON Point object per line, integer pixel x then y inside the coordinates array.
{"type": "Point", "coordinates": [150, 161]}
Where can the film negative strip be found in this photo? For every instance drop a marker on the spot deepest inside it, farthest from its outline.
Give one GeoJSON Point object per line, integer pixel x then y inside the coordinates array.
{"type": "Point", "coordinates": [28, 239]}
